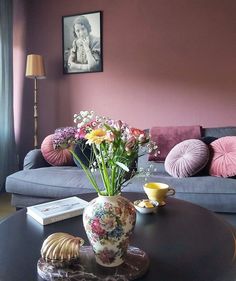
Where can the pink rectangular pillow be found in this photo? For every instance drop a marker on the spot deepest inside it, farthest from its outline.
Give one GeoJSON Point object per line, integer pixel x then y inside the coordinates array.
{"type": "Point", "coordinates": [167, 137]}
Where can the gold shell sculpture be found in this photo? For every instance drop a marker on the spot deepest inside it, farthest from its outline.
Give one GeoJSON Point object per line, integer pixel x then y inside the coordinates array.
{"type": "Point", "coordinates": [61, 248]}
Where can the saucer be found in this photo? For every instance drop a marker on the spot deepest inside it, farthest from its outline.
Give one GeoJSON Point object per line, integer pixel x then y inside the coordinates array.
{"type": "Point", "coordinates": [141, 208]}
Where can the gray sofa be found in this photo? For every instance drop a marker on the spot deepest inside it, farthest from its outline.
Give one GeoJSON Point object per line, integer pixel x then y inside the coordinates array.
{"type": "Point", "coordinates": [38, 182]}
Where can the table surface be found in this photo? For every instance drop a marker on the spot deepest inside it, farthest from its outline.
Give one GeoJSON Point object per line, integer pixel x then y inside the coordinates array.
{"type": "Point", "coordinates": [184, 242]}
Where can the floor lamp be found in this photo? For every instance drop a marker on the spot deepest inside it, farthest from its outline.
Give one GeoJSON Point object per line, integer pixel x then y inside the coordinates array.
{"type": "Point", "coordinates": [35, 70]}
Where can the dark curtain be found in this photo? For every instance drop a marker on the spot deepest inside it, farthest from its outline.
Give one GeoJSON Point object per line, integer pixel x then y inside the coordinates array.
{"type": "Point", "coordinates": [8, 159]}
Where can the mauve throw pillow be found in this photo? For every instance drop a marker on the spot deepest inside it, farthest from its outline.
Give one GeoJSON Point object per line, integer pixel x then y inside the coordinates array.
{"type": "Point", "coordinates": [167, 137]}
{"type": "Point", "coordinates": [55, 157]}
{"type": "Point", "coordinates": [223, 163]}
{"type": "Point", "coordinates": [187, 158]}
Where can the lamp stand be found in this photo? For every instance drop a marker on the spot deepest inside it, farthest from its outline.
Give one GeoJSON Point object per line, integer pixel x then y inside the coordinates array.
{"type": "Point", "coordinates": [35, 114]}
{"type": "Point", "coordinates": [35, 70]}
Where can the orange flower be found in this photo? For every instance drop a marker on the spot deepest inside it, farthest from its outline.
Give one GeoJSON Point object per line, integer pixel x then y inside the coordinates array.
{"type": "Point", "coordinates": [137, 132]}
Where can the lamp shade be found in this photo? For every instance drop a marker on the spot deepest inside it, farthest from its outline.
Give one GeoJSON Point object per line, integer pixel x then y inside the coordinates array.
{"type": "Point", "coordinates": [35, 67]}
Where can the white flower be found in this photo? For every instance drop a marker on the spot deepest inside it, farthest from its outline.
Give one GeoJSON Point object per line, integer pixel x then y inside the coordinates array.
{"type": "Point", "coordinates": [86, 120]}
{"type": "Point", "coordinates": [84, 113]}
{"type": "Point", "coordinates": [79, 125]}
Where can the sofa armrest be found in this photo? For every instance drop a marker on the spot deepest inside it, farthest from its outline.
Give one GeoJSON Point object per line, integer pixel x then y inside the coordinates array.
{"type": "Point", "coordinates": [34, 159]}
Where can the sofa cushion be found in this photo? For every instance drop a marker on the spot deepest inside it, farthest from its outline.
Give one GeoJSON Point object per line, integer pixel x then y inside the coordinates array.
{"type": "Point", "coordinates": [219, 132]}
{"type": "Point", "coordinates": [37, 185]}
{"type": "Point", "coordinates": [167, 137]}
{"type": "Point", "coordinates": [55, 157]}
{"type": "Point", "coordinates": [51, 182]}
{"type": "Point", "coordinates": [223, 163]}
{"type": "Point", "coordinates": [34, 159]}
{"type": "Point", "coordinates": [187, 158]}
{"type": "Point", "coordinates": [206, 191]}
{"type": "Point", "coordinates": [207, 140]}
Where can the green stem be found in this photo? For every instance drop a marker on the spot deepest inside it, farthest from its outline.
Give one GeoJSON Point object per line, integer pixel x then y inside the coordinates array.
{"type": "Point", "coordinates": [113, 179]}
{"type": "Point", "coordinates": [106, 175]}
{"type": "Point", "coordinates": [87, 172]}
{"type": "Point", "coordinates": [100, 166]}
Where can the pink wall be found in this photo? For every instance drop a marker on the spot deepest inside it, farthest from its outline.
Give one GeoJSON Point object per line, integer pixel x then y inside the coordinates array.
{"type": "Point", "coordinates": [165, 63]}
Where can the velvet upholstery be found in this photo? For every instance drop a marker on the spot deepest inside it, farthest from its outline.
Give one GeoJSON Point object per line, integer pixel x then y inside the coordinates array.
{"type": "Point", "coordinates": [223, 163]}
{"type": "Point", "coordinates": [208, 140]}
{"type": "Point", "coordinates": [60, 182]}
{"type": "Point", "coordinates": [55, 157]}
{"type": "Point", "coordinates": [187, 158]}
{"type": "Point", "coordinates": [219, 132]}
{"type": "Point", "coordinates": [167, 137]}
{"type": "Point", "coordinates": [29, 187]}
{"type": "Point", "coordinates": [34, 159]}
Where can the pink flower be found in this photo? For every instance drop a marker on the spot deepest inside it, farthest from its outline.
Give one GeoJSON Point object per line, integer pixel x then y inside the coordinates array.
{"type": "Point", "coordinates": [96, 227]}
{"type": "Point", "coordinates": [81, 132]}
{"type": "Point", "coordinates": [107, 256]}
{"type": "Point", "coordinates": [117, 125]}
{"type": "Point", "coordinates": [142, 138]}
{"type": "Point", "coordinates": [109, 223]}
{"type": "Point", "coordinates": [130, 143]}
{"type": "Point", "coordinates": [110, 136]}
{"type": "Point", "coordinates": [93, 124]}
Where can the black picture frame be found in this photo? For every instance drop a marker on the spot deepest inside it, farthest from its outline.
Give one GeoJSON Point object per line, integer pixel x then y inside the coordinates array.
{"type": "Point", "coordinates": [82, 49]}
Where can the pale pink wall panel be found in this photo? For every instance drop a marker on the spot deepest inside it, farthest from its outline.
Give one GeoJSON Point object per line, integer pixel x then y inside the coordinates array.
{"type": "Point", "coordinates": [165, 62]}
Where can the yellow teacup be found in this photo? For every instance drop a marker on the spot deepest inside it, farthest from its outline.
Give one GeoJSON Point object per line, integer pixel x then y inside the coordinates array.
{"type": "Point", "coordinates": [157, 191]}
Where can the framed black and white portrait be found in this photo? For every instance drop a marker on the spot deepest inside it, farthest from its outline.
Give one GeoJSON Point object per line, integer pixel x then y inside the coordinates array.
{"type": "Point", "coordinates": [82, 43]}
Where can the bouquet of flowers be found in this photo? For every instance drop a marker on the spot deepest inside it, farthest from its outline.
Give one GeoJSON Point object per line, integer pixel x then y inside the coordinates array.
{"type": "Point", "coordinates": [115, 147]}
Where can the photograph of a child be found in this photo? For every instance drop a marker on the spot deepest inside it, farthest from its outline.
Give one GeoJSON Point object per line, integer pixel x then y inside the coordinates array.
{"type": "Point", "coordinates": [82, 51]}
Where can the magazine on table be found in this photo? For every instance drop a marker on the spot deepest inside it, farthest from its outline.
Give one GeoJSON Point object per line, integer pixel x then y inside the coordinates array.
{"type": "Point", "coordinates": [58, 210]}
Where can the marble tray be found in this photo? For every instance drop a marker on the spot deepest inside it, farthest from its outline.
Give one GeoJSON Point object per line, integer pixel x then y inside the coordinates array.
{"type": "Point", "coordinates": [85, 268]}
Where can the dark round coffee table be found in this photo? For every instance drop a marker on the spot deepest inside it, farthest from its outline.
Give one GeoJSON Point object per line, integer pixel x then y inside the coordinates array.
{"type": "Point", "coordinates": [183, 241]}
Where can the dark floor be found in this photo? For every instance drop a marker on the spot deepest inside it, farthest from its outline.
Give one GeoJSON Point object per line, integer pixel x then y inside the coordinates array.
{"type": "Point", "coordinates": [5, 205]}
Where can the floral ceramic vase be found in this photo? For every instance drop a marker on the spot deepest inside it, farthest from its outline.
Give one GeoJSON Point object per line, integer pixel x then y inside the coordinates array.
{"type": "Point", "coordinates": [108, 222]}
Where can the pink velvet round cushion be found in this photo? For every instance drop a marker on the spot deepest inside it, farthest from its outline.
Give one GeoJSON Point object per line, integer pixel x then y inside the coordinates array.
{"type": "Point", "coordinates": [55, 157]}
{"type": "Point", "coordinates": [187, 158]}
{"type": "Point", "coordinates": [223, 163]}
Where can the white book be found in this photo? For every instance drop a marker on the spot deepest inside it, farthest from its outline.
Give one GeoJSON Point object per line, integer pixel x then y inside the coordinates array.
{"type": "Point", "coordinates": [58, 210]}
